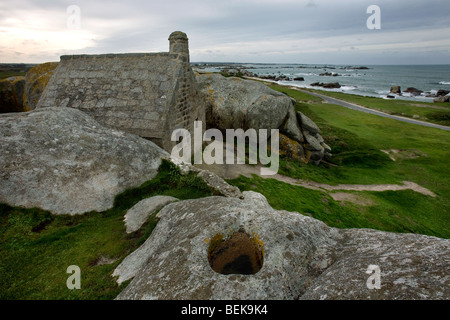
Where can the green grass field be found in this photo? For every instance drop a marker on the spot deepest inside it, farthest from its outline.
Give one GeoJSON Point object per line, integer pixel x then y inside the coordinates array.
{"type": "Point", "coordinates": [438, 113]}
{"type": "Point", "coordinates": [8, 74]}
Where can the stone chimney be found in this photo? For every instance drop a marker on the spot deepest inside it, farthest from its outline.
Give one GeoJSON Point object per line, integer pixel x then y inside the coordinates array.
{"type": "Point", "coordinates": [179, 44]}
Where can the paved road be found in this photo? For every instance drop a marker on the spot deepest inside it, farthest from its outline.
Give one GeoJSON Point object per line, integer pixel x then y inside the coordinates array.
{"type": "Point", "coordinates": [378, 113]}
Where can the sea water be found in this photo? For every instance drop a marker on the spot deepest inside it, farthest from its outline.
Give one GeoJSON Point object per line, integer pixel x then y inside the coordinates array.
{"type": "Point", "coordinates": [376, 81]}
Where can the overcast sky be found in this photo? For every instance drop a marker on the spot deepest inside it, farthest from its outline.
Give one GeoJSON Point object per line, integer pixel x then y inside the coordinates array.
{"type": "Point", "coordinates": [277, 31]}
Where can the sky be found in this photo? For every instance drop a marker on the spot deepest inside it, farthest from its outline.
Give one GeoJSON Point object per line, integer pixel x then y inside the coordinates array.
{"type": "Point", "coordinates": [258, 31]}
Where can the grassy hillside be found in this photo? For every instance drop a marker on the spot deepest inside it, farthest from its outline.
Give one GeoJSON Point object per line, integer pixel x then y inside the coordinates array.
{"type": "Point", "coordinates": [421, 155]}
{"type": "Point", "coordinates": [13, 69]}
{"type": "Point", "coordinates": [438, 113]}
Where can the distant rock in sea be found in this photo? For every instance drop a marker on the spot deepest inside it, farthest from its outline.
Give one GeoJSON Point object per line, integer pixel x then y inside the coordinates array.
{"type": "Point", "coordinates": [441, 92]}
{"type": "Point", "coordinates": [329, 74]}
{"type": "Point", "coordinates": [354, 68]}
{"type": "Point", "coordinates": [442, 99]}
{"type": "Point", "coordinates": [413, 91]}
{"type": "Point", "coordinates": [396, 90]}
{"type": "Point", "coordinates": [333, 85]}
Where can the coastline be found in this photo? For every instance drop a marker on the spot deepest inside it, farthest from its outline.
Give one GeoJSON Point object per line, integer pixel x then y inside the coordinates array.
{"type": "Point", "coordinates": [413, 119]}
{"type": "Point", "coordinates": [417, 83]}
{"type": "Point", "coordinates": [411, 111]}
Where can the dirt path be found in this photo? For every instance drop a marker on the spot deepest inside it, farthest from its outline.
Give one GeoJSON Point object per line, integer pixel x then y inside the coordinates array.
{"type": "Point", "coordinates": [234, 171]}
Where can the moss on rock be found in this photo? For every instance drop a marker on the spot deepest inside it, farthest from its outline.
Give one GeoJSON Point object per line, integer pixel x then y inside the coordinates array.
{"type": "Point", "coordinates": [36, 80]}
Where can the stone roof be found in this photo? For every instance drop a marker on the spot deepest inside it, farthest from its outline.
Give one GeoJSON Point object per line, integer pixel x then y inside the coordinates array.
{"type": "Point", "coordinates": [147, 94]}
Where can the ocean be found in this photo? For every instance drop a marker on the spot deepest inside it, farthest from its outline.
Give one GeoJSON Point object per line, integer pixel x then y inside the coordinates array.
{"type": "Point", "coordinates": [375, 81]}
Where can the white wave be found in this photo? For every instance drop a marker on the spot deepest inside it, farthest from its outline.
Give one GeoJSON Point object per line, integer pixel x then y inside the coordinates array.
{"type": "Point", "coordinates": [348, 88]}
{"type": "Point", "coordinates": [444, 82]}
{"type": "Point", "coordinates": [296, 84]}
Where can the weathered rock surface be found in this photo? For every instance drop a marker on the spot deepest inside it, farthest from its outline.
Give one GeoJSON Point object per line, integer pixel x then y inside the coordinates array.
{"type": "Point", "coordinates": [292, 128]}
{"type": "Point", "coordinates": [61, 160]}
{"type": "Point", "coordinates": [139, 213]}
{"type": "Point", "coordinates": [36, 79]}
{"type": "Point", "coordinates": [173, 262]}
{"type": "Point", "coordinates": [313, 143]}
{"type": "Point", "coordinates": [307, 124]}
{"type": "Point", "coordinates": [303, 258]}
{"type": "Point", "coordinates": [291, 148]}
{"type": "Point", "coordinates": [412, 267]}
{"type": "Point", "coordinates": [217, 185]}
{"type": "Point", "coordinates": [11, 94]}
{"type": "Point", "coordinates": [236, 103]}
{"type": "Point", "coordinates": [315, 146]}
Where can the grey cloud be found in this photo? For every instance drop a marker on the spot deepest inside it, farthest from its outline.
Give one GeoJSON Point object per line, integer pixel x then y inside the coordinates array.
{"type": "Point", "coordinates": [211, 24]}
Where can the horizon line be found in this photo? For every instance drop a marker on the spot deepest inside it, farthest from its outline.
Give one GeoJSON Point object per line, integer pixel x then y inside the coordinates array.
{"type": "Point", "coordinates": [266, 63]}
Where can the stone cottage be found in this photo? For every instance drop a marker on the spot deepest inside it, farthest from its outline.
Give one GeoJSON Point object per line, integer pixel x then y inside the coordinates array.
{"type": "Point", "coordinates": [147, 94]}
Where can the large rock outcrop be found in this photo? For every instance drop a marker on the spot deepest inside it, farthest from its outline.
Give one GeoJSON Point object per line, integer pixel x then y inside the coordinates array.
{"type": "Point", "coordinates": [61, 160]}
{"type": "Point", "coordinates": [302, 257]}
{"type": "Point", "coordinates": [235, 103]}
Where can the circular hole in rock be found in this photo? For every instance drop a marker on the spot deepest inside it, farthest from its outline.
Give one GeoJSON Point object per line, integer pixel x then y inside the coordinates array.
{"type": "Point", "coordinates": [238, 254]}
